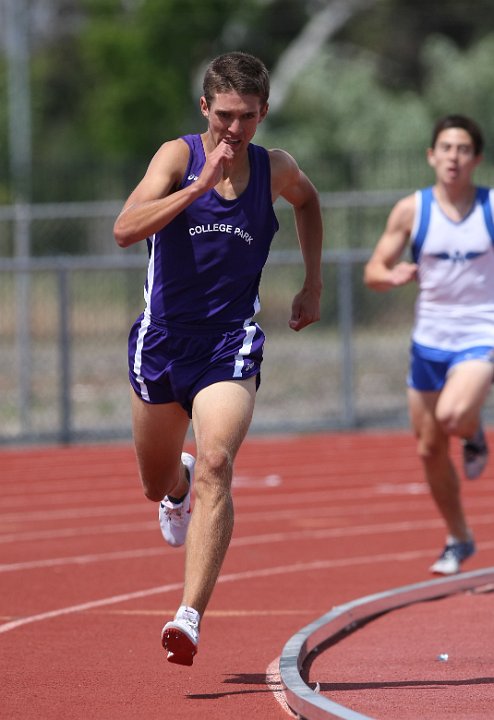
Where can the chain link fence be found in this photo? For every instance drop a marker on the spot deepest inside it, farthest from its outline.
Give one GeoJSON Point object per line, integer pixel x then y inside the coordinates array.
{"type": "Point", "coordinates": [65, 318]}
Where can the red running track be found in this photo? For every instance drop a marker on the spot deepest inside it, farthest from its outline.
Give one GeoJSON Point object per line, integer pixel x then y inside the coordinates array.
{"type": "Point", "coordinates": [87, 582]}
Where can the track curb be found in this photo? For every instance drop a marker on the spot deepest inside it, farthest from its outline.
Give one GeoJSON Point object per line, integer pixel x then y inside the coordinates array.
{"type": "Point", "coordinates": [312, 706]}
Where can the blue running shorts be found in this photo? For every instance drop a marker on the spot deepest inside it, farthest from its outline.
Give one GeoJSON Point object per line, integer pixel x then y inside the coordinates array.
{"type": "Point", "coordinates": [429, 367]}
{"type": "Point", "coordinates": [168, 363]}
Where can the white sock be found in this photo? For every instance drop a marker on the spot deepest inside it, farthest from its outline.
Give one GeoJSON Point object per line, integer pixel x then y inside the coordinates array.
{"type": "Point", "coordinates": [188, 613]}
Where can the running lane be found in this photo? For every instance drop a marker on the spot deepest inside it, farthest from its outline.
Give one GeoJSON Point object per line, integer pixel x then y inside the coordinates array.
{"type": "Point", "coordinates": [87, 581]}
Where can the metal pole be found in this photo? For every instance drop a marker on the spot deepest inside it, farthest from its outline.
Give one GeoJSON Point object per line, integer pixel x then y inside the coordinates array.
{"type": "Point", "coordinates": [64, 346]}
{"type": "Point", "coordinates": [19, 96]}
{"type": "Point", "coordinates": [19, 116]}
{"type": "Point", "coordinates": [345, 319]}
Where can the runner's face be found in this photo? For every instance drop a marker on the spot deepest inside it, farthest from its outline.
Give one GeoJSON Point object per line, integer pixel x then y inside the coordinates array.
{"type": "Point", "coordinates": [453, 156]}
{"type": "Point", "coordinates": [233, 118]}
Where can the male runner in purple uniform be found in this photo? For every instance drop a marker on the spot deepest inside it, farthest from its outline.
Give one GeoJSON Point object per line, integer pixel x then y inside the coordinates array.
{"type": "Point", "coordinates": [205, 206]}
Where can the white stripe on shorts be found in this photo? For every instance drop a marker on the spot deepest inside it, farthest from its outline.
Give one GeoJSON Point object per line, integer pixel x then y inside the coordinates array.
{"type": "Point", "coordinates": [250, 331]}
{"type": "Point", "coordinates": [138, 356]}
{"type": "Point", "coordinates": [148, 293]}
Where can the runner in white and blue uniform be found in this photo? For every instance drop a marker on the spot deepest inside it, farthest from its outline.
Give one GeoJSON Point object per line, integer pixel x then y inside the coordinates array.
{"type": "Point", "coordinates": [454, 316]}
{"type": "Point", "coordinates": [450, 229]}
{"type": "Point", "coordinates": [205, 207]}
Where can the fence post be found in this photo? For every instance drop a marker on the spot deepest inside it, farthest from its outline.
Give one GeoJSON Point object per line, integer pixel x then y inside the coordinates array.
{"type": "Point", "coordinates": [345, 322]}
{"type": "Point", "coordinates": [65, 357]}
{"type": "Point", "coordinates": [22, 241]}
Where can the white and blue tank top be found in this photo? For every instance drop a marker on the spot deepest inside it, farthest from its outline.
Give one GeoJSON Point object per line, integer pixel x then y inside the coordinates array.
{"type": "Point", "coordinates": [455, 305]}
{"type": "Point", "coordinates": [205, 266]}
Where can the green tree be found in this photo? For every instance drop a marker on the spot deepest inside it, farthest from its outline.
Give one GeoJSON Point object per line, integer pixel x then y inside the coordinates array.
{"type": "Point", "coordinates": [124, 80]}
{"type": "Point", "coordinates": [461, 81]}
{"type": "Point", "coordinates": [396, 31]}
{"type": "Point", "coordinates": [124, 76]}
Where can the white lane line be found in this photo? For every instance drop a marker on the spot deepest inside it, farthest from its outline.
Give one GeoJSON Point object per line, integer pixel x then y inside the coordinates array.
{"type": "Point", "coordinates": [263, 481]}
{"type": "Point", "coordinates": [89, 530]}
{"type": "Point", "coordinates": [72, 512]}
{"type": "Point", "coordinates": [273, 681]}
{"type": "Point", "coordinates": [83, 559]}
{"type": "Point", "coordinates": [377, 495]}
{"type": "Point", "coordinates": [302, 567]}
{"type": "Point", "coordinates": [241, 542]}
{"type": "Point", "coordinates": [91, 494]}
{"type": "Point", "coordinates": [90, 605]}
{"type": "Point", "coordinates": [287, 536]}
{"type": "Point", "coordinates": [320, 511]}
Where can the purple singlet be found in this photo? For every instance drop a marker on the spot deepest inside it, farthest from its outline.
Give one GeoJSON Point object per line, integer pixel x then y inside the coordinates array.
{"type": "Point", "coordinates": [205, 266]}
{"type": "Point", "coordinates": [202, 289]}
